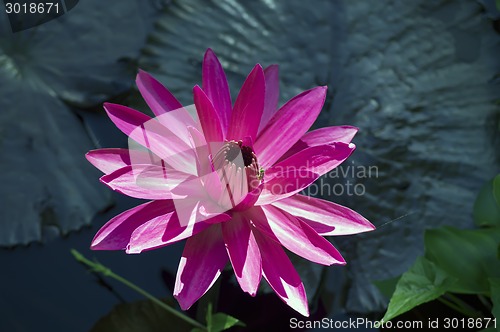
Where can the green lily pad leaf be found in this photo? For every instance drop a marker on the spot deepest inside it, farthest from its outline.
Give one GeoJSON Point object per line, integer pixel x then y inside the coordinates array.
{"type": "Point", "coordinates": [143, 316]}
{"type": "Point", "coordinates": [486, 206]}
{"type": "Point", "coordinates": [423, 282]}
{"type": "Point", "coordinates": [47, 185]}
{"type": "Point", "coordinates": [495, 297]}
{"type": "Point", "coordinates": [77, 59]}
{"type": "Point", "coordinates": [387, 286]}
{"type": "Point", "coordinates": [468, 255]}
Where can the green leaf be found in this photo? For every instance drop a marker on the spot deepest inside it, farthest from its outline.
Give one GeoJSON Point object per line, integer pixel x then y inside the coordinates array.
{"type": "Point", "coordinates": [387, 286]}
{"type": "Point", "coordinates": [144, 316]}
{"type": "Point", "coordinates": [423, 282]}
{"type": "Point", "coordinates": [498, 4]}
{"type": "Point", "coordinates": [468, 255]}
{"type": "Point", "coordinates": [221, 322]}
{"type": "Point", "coordinates": [495, 298]}
{"type": "Point", "coordinates": [496, 188]}
{"type": "Point", "coordinates": [486, 207]}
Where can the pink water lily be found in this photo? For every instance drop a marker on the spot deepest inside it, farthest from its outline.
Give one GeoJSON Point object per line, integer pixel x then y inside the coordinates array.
{"type": "Point", "coordinates": [227, 178]}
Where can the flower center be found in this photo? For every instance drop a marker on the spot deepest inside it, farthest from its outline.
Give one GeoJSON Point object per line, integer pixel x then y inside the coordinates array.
{"type": "Point", "coordinates": [238, 171]}
{"type": "Point", "coordinates": [233, 150]}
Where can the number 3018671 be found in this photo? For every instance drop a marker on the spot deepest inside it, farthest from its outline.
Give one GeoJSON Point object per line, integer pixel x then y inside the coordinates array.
{"type": "Point", "coordinates": [32, 8]}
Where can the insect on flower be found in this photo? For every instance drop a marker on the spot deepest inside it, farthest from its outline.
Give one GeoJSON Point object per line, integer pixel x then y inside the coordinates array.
{"type": "Point", "coordinates": [226, 178]}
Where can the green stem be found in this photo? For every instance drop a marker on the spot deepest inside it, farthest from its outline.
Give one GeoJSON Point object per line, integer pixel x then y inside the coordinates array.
{"type": "Point", "coordinates": [208, 301]}
{"type": "Point", "coordinates": [97, 267]}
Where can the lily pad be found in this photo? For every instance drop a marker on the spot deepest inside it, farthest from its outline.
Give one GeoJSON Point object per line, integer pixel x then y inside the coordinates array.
{"type": "Point", "coordinates": [414, 76]}
{"type": "Point", "coordinates": [78, 60]}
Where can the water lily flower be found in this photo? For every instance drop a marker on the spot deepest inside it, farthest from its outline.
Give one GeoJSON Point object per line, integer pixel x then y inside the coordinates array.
{"type": "Point", "coordinates": [227, 179]}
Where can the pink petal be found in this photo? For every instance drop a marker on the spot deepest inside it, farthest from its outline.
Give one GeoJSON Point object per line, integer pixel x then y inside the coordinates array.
{"type": "Point", "coordinates": [244, 253]}
{"type": "Point", "coordinates": [202, 262]}
{"type": "Point", "coordinates": [272, 94]}
{"type": "Point", "coordinates": [177, 122]}
{"type": "Point", "coordinates": [325, 217]}
{"type": "Point", "coordinates": [322, 136]}
{"type": "Point", "coordinates": [281, 275]}
{"type": "Point", "coordinates": [158, 98]}
{"type": "Point", "coordinates": [250, 199]}
{"type": "Point", "coordinates": [295, 235]}
{"type": "Point", "coordinates": [300, 170]}
{"type": "Point", "coordinates": [159, 232]}
{"type": "Point", "coordinates": [288, 125]}
{"type": "Point", "coordinates": [216, 88]}
{"type": "Point", "coordinates": [154, 136]}
{"type": "Point", "coordinates": [201, 149]}
{"type": "Point", "coordinates": [109, 160]}
{"type": "Point", "coordinates": [214, 186]}
{"type": "Point", "coordinates": [209, 119]}
{"type": "Point", "coordinates": [164, 105]}
{"type": "Point", "coordinates": [285, 185]}
{"type": "Point", "coordinates": [116, 233]}
{"type": "Point", "coordinates": [248, 107]}
{"type": "Point", "coordinates": [194, 205]}
{"type": "Point", "coordinates": [146, 181]}
{"type": "Point", "coordinates": [317, 159]}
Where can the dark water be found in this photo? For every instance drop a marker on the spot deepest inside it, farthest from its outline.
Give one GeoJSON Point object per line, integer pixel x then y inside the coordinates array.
{"type": "Point", "coordinates": [43, 288]}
